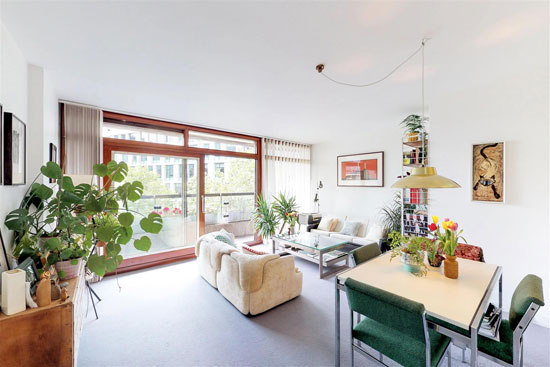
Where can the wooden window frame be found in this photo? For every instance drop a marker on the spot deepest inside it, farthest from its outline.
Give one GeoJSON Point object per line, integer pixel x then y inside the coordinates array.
{"type": "Point", "coordinates": [134, 146]}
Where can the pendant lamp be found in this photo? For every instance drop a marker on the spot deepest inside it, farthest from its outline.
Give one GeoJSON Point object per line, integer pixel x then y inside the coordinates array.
{"type": "Point", "coordinates": [424, 177]}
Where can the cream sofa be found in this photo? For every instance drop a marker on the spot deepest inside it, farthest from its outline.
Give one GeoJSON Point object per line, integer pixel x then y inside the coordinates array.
{"type": "Point", "coordinates": [252, 283]}
{"type": "Point", "coordinates": [369, 231]}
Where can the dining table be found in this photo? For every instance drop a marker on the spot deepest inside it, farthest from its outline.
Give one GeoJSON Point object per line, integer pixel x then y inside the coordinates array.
{"type": "Point", "coordinates": [457, 302]}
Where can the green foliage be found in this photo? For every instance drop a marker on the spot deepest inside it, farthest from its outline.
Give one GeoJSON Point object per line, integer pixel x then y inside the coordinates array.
{"type": "Point", "coordinates": [64, 222]}
{"type": "Point", "coordinates": [412, 246]}
{"type": "Point", "coordinates": [391, 214]}
{"type": "Point", "coordinates": [264, 218]}
{"type": "Point", "coordinates": [282, 207]}
{"type": "Point", "coordinates": [414, 124]}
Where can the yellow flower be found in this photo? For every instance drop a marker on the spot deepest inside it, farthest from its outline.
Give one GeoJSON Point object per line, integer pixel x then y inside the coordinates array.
{"type": "Point", "coordinates": [435, 219]}
{"type": "Point", "coordinates": [444, 225]}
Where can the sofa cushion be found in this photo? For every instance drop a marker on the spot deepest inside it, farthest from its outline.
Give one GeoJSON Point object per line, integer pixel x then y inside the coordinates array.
{"type": "Point", "coordinates": [321, 232]}
{"type": "Point", "coordinates": [251, 270]}
{"type": "Point", "coordinates": [224, 236]}
{"type": "Point", "coordinates": [375, 232]}
{"type": "Point", "coordinates": [362, 241]}
{"type": "Point", "coordinates": [341, 236]}
{"type": "Point", "coordinates": [326, 224]}
{"type": "Point", "coordinates": [350, 228]}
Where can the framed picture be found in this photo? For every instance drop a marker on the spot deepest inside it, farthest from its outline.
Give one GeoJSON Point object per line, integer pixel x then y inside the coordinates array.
{"type": "Point", "coordinates": [363, 170]}
{"type": "Point", "coordinates": [53, 157]}
{"type": "Point", "coordinates": [488, 172]}
{"type": "Point", "coordinates": [32, 273]}
{"type": "Point", "coordinates": [15, 154]}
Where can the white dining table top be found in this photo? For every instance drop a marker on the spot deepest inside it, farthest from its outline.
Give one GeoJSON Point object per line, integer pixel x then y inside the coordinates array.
{"type": "Point", "coordinates": [452, 300]}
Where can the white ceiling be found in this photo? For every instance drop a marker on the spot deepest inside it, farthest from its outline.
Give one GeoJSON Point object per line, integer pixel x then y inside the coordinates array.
{"type": "Point", "coordinates": [250, 66]}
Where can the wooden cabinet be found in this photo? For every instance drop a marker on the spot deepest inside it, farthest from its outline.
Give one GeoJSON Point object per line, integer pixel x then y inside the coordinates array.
{"type": "Point", "coordinates": [45, 336]}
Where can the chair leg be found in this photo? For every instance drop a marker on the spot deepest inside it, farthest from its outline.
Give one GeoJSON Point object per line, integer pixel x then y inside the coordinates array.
{"type": "Point", "coordinates": [381, 356]}
{"type": "Point", "coordinates": [351, 338]}
{"type": "Point", "coordinates": [449, 357]}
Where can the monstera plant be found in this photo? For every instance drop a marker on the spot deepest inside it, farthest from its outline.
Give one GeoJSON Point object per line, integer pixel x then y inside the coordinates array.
{"type": "Point", "coordinates": [66, 222]}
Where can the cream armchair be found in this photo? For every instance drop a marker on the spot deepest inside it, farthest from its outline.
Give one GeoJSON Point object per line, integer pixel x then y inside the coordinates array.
{"type": "Point", "coordinates": [252, 283]}
{"type": "Point", "coordinates": [257, 283]}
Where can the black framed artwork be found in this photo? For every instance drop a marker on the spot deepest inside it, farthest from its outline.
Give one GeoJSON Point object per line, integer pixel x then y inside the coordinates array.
{"type": "Point", "coordinates": [15, 150]}
{"type": "Point", "coordinates": [53, 157]}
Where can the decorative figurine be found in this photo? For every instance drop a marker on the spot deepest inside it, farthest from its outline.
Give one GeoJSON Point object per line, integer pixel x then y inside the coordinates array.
{"type": "Point", "coordinates": [44, 290]}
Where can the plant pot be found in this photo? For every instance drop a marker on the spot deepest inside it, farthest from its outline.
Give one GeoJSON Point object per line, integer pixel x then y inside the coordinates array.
{"type": "Point", "coordinates": [436, 263]}
{"type": "Point", "coordinates": [410, 264]}
{"type": "Point", "coordinates": [451, 267]}
{"type": "Point", "coordinates": [412, 137]}
{"type": "Point", "coordinates": [71, 271]}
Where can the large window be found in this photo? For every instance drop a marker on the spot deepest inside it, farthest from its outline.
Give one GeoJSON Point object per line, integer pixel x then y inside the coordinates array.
{"type": "Point", "coordinates": [213, 177]}
{"type": "Point", "coordinates": [130, 132]}
{"type": "Point", "coordinates": [221, 142]}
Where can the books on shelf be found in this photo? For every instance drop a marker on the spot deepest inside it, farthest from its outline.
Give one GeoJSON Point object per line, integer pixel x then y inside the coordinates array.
{"type": "Point", "coordinates": [490, 323]}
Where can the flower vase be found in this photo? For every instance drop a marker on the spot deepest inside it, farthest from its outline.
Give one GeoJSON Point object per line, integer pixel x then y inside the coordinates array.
{"type": "Point", "coordinates": [451, 267]}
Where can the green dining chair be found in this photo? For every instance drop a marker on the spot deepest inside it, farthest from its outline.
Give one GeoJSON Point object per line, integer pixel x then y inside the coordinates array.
{"type": "Point", "coordinates": [394, 326]}
{"type": "Point", "coordinates": [365, 253]}
{"type": "Point", "coordinates": [526, 301]}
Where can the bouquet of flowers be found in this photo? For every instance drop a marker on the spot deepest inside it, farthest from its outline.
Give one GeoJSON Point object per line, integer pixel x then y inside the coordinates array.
{"type": "Point", "coordinates": [445, 235]}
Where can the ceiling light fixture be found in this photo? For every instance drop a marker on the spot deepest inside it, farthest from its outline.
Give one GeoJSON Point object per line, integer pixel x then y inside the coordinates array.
{"type": "Point", "coordinates": [424, 177]}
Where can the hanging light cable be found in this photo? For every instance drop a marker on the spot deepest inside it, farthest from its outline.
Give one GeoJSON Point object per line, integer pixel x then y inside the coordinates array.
{"type": "Point", "coordinates": [423, 177]}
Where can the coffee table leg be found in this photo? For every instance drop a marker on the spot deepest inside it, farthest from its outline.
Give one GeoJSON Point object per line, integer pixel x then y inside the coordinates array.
{"type": "Point", "coordinates": [320, 264]}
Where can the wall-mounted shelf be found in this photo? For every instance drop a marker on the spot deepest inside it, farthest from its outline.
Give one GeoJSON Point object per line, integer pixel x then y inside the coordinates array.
{"type": "Point", "coordinates": [414, 202]}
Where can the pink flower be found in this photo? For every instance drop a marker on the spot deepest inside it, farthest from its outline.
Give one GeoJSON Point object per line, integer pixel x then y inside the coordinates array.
{"type": "Point", "coordinates": [446, 220]}
{"type": "Point", "coordinates": [166, 209]}
{"type": "Point", "coordinates": [455, 226]}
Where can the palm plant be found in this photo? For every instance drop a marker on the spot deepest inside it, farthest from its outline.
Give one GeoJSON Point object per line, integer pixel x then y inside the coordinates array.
{"type": "Point", "coordinates": [282, 207]}
{"type": "Point", "coordinates": [391, 214]}
{"type": "Point", "coordinates": [414, 124]}
{"type": "Point", "coordinates": [264, 218]}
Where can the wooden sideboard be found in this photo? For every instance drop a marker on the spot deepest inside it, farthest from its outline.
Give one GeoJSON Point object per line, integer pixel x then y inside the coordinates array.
{"type": "Point", "coordinates": [45, 336]}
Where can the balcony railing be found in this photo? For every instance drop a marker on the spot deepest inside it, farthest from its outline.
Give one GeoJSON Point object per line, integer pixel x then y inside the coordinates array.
{"type": "Point", "coordinates": [219, 207]}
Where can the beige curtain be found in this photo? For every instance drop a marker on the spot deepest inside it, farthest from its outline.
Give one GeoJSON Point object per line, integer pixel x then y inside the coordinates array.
{"type": "Point", "coordinates": [287, 168]}
{"type": "Point", "coordinates": [83, 143]}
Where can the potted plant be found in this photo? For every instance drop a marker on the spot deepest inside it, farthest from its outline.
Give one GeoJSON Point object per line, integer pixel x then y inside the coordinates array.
{"type": "Point", "coordinates": [410, 250]}
{"type": "Point", "coordinates": [282, 207]}
{"type": "Point", "coordinates": [264, 219]}
{"type": "Point", "coordinates": [414, 126]}
{"type": "Point", "coordinates": [66, 224]}
{"type": "Point", "coordinates": [448, 240]}
{"type": "Point", "coordinates": [291, 219]}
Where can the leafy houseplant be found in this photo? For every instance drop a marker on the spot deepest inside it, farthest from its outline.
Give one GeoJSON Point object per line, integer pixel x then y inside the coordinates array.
{"type": "Point", "coordinates": [264, 218]}
{"type": "Point", "coordinates": [448, 240]}
{"type": "Point", "coordinates": [66, 224]}
{"type": "Point", "coordinates": [391, 214]}
{"type": "Point", "coordinates": [414, 124]}
{"type": "Point", "coordinates": [282, 206]}
{"type": "Point", "coordinates": [410, 249]}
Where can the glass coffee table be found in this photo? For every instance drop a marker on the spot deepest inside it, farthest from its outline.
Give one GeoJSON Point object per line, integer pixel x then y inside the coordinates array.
{"type": "Point", "coordinates": [318, 249]}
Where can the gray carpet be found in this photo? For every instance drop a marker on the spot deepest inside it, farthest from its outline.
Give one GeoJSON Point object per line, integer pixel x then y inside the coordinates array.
{"type": "Point", "coordinates": [170, 316]}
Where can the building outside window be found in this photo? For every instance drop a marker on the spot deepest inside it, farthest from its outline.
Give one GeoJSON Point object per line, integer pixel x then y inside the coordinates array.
{"type": "Point", "coordinates": [169, 171]}
{"type": "Point", "coordinates": [159, 170]}
{"type": "Point", "coordinates": [219, 167]}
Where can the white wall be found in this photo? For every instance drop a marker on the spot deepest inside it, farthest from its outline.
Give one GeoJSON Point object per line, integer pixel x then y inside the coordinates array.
{"type": "Point", "coordinates": [26, 90]}
{"type": "Point", "coordinates": [514, 109]}
{"type": "Point", "coordinates": [13, 97]}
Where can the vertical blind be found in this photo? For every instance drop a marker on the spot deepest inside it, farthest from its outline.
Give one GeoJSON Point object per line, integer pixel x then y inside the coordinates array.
{"type": "Point", "coordinates": [82, 134]}
{"type": "Point", "coordinates": [287, 169]}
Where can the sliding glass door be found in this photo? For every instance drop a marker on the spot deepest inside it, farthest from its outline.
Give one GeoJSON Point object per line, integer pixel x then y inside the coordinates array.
{"type": "Point", "coordinates": [171, 189]}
